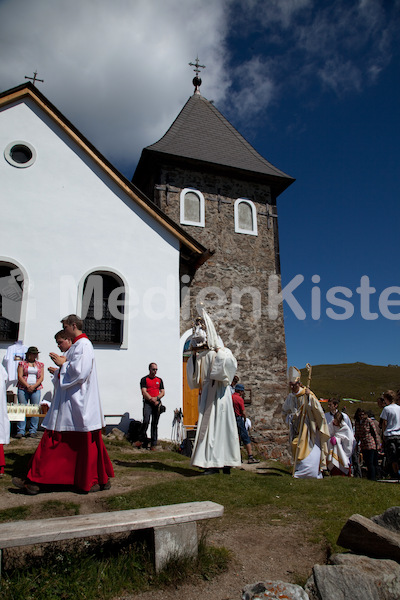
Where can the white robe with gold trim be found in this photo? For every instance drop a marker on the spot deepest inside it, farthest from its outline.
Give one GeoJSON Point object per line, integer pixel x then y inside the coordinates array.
{"type": "Point", "coordinates": [314, 434]}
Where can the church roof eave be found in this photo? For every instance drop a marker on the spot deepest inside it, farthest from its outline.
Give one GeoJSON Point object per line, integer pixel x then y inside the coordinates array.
{"type": "Point", "coordinates": [151, 158]}
{"type": "Point", "coordinates": [28, 90]}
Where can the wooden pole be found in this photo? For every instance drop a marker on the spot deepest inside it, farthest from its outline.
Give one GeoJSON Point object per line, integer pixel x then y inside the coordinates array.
{"type": "Point", "coordinates": [303, 413]}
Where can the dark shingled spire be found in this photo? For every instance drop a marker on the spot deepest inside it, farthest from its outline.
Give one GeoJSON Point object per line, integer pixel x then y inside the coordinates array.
{"type": "Point", "coordinates": [201, 136]}
{"type": "Point", "coordinates": [201, 133]}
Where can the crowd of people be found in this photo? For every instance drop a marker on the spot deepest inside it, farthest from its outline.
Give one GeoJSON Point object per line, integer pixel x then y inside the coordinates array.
{"type": "Point", "coordinates": [330, 443]}
{"type": "Point", "coordinates": [71, 451]}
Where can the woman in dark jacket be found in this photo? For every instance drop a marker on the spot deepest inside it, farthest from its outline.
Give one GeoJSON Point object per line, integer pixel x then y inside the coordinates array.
{"type": "Point", "coordinates": [369, 440]}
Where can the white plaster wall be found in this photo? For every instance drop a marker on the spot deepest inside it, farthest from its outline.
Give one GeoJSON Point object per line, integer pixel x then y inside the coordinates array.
{"type": "Point", "coordinates": [61, 218]}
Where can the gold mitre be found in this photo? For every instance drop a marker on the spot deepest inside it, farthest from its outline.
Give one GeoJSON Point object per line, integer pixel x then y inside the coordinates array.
{"type": "Point", "coordinates": [293, 375]}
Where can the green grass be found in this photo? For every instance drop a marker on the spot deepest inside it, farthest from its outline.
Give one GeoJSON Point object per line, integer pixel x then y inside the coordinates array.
{"type": "Point", "coordinates": [353, 380]}
{"type": "Point", "coordinates": [16, 513]}
{"type": "Point", "coordinates": [56, 508]}
{"type": "Point", "coordinates": [324, 505]}
{"type": "Point", "coordinates": [103, 571]}
{"type": "Point", "coordinates": [271, 496]}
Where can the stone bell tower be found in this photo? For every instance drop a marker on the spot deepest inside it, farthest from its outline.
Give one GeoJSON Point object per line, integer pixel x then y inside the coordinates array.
{"type": "Point", "coordinates": [204, 175]}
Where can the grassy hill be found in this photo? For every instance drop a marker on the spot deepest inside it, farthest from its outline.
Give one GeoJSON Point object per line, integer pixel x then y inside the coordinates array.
{"type": "Point", "coordinates": [354, 380]}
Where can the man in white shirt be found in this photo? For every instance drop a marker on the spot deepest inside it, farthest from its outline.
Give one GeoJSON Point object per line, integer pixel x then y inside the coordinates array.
{"type": "Point", "coordinates": [390, 419]}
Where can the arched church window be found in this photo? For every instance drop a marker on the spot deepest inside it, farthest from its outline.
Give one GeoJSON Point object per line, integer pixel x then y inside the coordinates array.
{"type": "Point", "coordinates": [245, 216]}
{"type": "Point", "coordinates": [192, 208]}
{"type": "Point", "coordinates": [11, 290]}
{"type": "Point", "coordinates": [103, 304]}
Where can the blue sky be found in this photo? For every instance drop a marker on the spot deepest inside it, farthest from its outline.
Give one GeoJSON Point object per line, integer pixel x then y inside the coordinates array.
{"type": "Point", "coordinates": [312, 84]}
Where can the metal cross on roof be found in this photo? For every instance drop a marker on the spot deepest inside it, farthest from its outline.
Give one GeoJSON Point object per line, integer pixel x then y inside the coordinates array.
{"type": "Point", "coordinates": [196, 80]}
{"type": "Point", "coordinates": [34, 78]}
{"type": "Point", "coordinates": [198, 67]}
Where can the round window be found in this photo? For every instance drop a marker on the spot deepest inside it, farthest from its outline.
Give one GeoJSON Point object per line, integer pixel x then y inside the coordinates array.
{"type": "Point", "coordinates": [20, 154]}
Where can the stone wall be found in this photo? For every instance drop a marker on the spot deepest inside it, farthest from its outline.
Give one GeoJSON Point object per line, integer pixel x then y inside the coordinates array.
{"type": "Point", "coordinates": [237, 277]}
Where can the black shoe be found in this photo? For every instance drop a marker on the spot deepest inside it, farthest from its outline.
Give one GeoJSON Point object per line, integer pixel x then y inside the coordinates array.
{"type": "Point", "coordinates": [31, 488]}
{"type": "Point", "coordinates": [18, 482]}
{"type": "Point", "coordinates": [226, 470]}
{"type": "Point", "coordinates": [210, 472]}
{"type": "Point", "coordinates": [95, 488]}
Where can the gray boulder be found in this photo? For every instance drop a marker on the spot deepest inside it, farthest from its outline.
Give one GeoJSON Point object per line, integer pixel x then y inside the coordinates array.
{"type": "Point", "coordinates": [274, 590]}
{"type": "Point", "coordinates": [116, 434]}
{"type": "Point", "coordinates": [342, 583]}
{"type": "Point", "coordinates": [390, 519]}
{"type": "Point", "coordinates": [363, 536]}
{"type": "Point", "coordinates": [352, 577]}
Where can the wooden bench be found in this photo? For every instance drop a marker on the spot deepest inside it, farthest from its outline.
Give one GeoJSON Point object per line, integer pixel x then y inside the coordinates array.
{"type": "Point", "coordinates": [174, 528]}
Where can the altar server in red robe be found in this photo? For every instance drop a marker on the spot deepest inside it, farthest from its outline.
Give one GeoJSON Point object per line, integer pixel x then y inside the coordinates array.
{"type": "Point", "coordinates": [72, 450]}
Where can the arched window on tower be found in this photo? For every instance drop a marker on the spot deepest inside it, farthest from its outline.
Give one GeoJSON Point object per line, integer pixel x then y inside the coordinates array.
{"type": "Point", "coordinates": [192, 208]}
{"type": "Point", "coordinates": [103, 305]}
{"type": "Point", "coordinates": [245, 216]}
{"type": "Point", "coordinates": [11, 290]}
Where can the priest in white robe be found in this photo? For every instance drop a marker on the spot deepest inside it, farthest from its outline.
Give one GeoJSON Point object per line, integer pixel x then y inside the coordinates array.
{"type": "Point", "coordinates": [308, 430]}
{"type": "Point", "coordinates": [212, 369]}
{"type": "Point", "coordinates": [72, 451]}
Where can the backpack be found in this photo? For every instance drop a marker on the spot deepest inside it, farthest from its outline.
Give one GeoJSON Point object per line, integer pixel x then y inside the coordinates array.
{"type": "Point", "coordinates": [133, 431]}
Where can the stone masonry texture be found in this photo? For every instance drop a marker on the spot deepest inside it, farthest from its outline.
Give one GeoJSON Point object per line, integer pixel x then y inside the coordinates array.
{"type": "Point", "coordinates": [234, 287]}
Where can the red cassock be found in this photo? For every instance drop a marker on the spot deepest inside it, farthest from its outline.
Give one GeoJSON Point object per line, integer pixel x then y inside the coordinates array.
{"type": "Point", "coordinates": [72, 458]}
{"type": "Point", "coordinates": [72, 451]}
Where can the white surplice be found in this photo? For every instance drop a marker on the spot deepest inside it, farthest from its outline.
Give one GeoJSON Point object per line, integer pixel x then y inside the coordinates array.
{"type": "Point", "coordinates": [339, 454]}
{"type": "Point", "coordinates": [4, 420]}
{"type": "Point", "coordinates": [76, 404]}
{"type": "Point", "coordinates": [217, 441]}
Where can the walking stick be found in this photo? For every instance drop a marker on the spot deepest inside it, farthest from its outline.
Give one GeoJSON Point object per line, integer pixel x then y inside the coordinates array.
{"type": "Point", "coordinates": [302, 417]}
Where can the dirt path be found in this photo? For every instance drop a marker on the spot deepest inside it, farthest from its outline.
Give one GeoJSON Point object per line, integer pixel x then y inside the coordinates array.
{"type": "Point", "coordinates": [260, 553]}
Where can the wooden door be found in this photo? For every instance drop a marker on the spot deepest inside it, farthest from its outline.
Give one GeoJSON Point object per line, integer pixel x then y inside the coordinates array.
{"type": "Point", "coordinates": [190, 400]}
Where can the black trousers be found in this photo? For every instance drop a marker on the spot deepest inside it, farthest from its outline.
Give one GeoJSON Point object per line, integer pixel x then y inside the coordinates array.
{"type": "Point", "coordinates": [150, 411]}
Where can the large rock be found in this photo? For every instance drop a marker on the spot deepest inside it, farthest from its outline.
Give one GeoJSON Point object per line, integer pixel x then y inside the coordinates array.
{"type": "Point", "coordinates": [274, 590]}
{"type": "Point", "coordinates": [390, 519]}
{"type": "Point", "coordinates": [116, 434]}
{"type": "Point", "coordinates": [352, 577]}
{"type": "Point", "coordinates": [363, 536]}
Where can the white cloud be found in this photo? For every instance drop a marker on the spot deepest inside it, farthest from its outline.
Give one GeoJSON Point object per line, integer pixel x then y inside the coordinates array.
{"type": "Point", "coordinates": [272, 12]}
{"type": "Point", "coordinates": [341, 45]}
{"type": "Point", "coordinates": [256, 91]}
{"type": "Point", "coordinates": [340, 76]}
{"type": "Point", "coordinates": [118, 70]}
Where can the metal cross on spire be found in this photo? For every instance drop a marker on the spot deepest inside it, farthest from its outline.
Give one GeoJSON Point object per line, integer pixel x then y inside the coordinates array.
{"type": "Point", "coordinates": [196, 79]}
{"type": "Point", "coordinates": [34, 78]}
